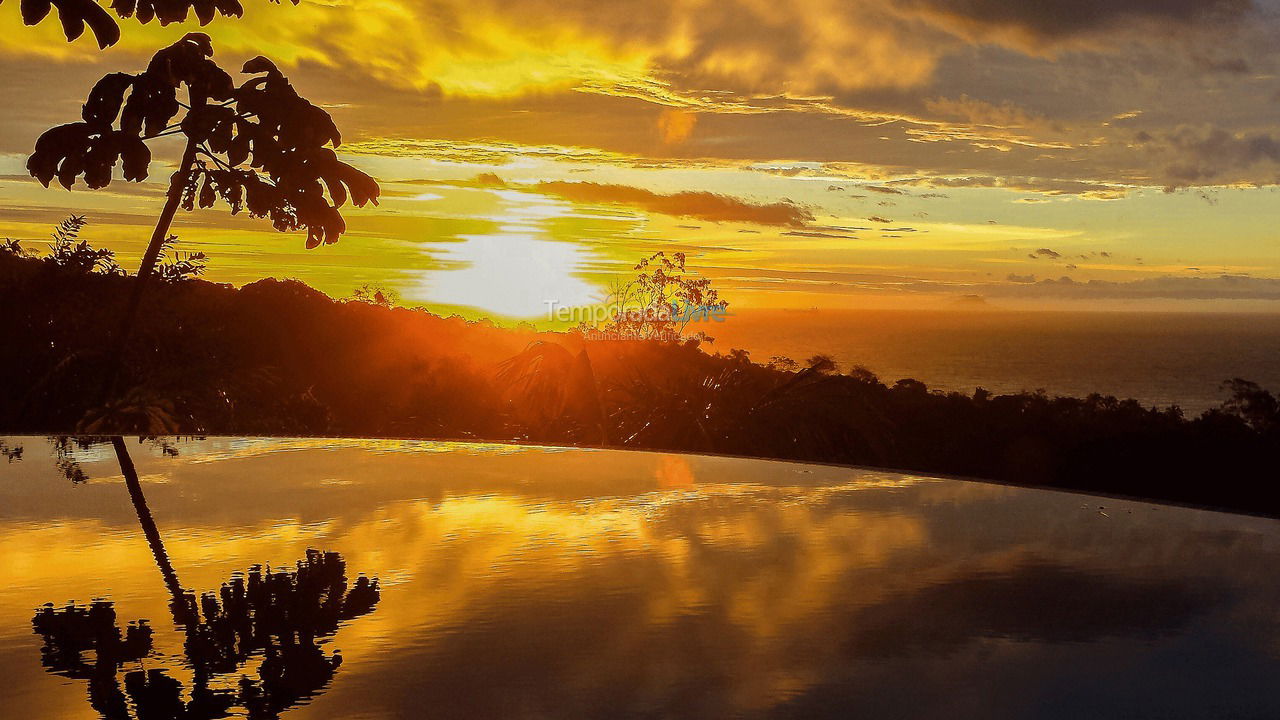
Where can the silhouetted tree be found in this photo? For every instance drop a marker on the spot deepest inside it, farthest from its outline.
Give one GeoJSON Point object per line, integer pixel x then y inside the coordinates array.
{"type": "Point", "coordinates": [375, 295]}
{"type": "Point", "coordinates": [746, 409]}
{"type": "Point", "coordinates": [279, 358]}
{"type": "Point", "coordinates": [660, 301]}
{"type": "Point", "coordinates": [1252, 404]}
{"type": "Point", "coordinates": [260, 147]}
{"type": "Point", "coordinates": [553, 394]}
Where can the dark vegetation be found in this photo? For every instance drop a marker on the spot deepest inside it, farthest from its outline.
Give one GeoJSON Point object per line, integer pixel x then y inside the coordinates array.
{"type": "Point", "coordinates": [277, 357]}
{"type": "Point", "coordinates": [77, 15]}
{"type": "Point", "coordinates": [260, 147]}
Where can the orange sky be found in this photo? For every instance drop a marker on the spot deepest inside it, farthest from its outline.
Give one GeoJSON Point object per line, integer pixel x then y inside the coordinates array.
{"type": "Point", "coordinates": [821, 153]}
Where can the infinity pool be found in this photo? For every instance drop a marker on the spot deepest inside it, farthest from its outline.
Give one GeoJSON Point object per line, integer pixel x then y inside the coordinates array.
{"type": "Point", "coordinates": [374, 579]}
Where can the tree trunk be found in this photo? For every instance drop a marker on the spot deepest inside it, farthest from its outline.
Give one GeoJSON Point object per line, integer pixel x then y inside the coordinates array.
{"type": "Point", "coordinates": [127, 321]}
{"type": "Point", "coordinates": [181, 609]}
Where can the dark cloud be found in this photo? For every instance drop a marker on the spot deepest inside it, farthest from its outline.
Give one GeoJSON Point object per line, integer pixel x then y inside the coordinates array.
{"type": "Point", "coordinates": [1062, 19]}
{"type": "Point", "coordinates": [1047, 253]}
{"type": "Point", "coordinates": [1231, 66]}
{"type": "Point", "coordinates": [1094, 190]}
{"type": "Point", "coordinates": [1037, 602]}
{"type": "Point", "coordinates": [1220, 287]}
{"type": "Point", "coordinates": [1205, 156]}
{"type": "Point", "coordinates": [815, 234]}
{"type": "Point", "coordinates": [692, 204]}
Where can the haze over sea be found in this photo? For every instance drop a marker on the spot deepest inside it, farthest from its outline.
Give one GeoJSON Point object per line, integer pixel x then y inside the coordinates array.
{"type": "Point", "coordinates": [1156, 358]}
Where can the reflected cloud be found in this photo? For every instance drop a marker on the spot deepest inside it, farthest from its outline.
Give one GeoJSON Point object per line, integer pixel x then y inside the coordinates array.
{"type": "Point", "coordinates": [1032, 601]}
{"type": "Point", "coordinates": [532, 583]}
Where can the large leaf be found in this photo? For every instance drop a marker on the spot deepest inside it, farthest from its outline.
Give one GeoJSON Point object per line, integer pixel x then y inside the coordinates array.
{"type": "Point", "coordinates": [150, 106]}
{"type": "Point", "coordinates": [106, 98]}
{"type": "Point", "coordinates": [188, 62]}
{"type": "Point", "coordinates": [33, 11]}
{"type": "Point", "coordinates": [75, 15]}
{"type": "Point", "coordinates": [136, 157]}
{"type": "Point", "coordinates": [70, 151]}
{"type": "Point", "coordinates": [293, 177]}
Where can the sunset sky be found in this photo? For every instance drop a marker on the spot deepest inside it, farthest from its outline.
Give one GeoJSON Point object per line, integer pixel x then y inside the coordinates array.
{"type": "Point", "coordinates": [825, 153]}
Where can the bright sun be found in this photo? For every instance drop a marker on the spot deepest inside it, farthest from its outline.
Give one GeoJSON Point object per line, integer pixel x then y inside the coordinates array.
{"type": "Point", "coordinates": [517, 271]}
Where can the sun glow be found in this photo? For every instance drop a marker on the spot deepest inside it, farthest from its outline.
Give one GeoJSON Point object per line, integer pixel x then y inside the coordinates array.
{"type": "Point", "coordinates": [516, 271]}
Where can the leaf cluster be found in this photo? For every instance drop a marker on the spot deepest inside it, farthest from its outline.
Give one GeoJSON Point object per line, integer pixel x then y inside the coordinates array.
{"type": "Point", "coordinates": [76, 15]}
{"type": "Point", "coordinates": [262, 147]}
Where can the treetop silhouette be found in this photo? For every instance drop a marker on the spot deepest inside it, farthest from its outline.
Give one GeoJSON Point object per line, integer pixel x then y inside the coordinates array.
{"type": "Point", "coordinates": [259, 146]}
{"type": "Point", "coordinates": [76, 14]}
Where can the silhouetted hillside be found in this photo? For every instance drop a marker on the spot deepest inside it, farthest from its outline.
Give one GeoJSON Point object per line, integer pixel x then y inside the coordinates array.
{"type": "Point", "coordinates": [277, 357]}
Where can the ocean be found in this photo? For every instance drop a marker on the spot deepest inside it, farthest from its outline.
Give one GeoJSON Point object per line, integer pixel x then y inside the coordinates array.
{"type": "Point", "coordinates": [1157, 358]}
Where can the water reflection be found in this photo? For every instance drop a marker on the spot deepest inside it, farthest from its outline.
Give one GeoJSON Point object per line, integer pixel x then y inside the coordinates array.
{"type": "Point", "coordinates": [539, 583]}
{"type": "Point", "coordinates": [71, 632]}
{"type": "Point", "coordinates": [274, 618]}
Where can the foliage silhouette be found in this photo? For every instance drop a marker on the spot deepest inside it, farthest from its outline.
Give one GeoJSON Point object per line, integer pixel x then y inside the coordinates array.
{"type": "Point", "coordinates": [375, 295]}
{"type": "Point", "coordinates": [553, 394]}
{"type": "Point", "coordinates": [746, 409]}
{"type": "Point", "coordinates": [71, 254]}
{"type": "Point", "coordinates": [259, 147]}
{"type": "Point", "coordinates": [659, 302]}
{"type": "Point", "coordinates": [75, 15]}
{"type": "Point", "coordinates": [279, 358]}
{"type": "Point", "coordinates": [181, 265]}
{"type": "Point", "coordinates": [277, 615]}
{"type": "Point", "coordinates": [71, 631]}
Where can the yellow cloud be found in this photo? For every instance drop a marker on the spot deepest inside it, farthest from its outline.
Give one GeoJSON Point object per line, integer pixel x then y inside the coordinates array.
{"type": "Point", "coordinates": [675, 126]}
{"type": "Point", "coordinates": [493, 48]}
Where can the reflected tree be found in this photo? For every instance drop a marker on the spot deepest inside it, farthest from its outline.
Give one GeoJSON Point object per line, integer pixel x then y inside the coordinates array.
{"type": "Point", "coordinates": [71, 632]}
{"type": "Point", "coordinates": [11, 453]}
{"type": "Point", "coordinates": [275, 618]}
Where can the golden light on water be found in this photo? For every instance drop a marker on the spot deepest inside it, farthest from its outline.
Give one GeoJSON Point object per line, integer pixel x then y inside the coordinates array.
{"type": "Point", "coordinates": [500, 566]}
